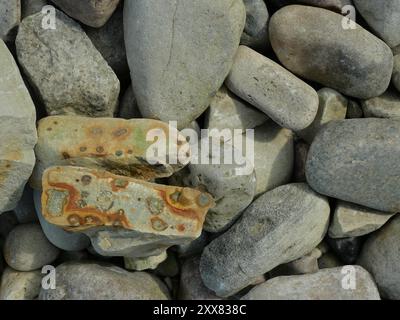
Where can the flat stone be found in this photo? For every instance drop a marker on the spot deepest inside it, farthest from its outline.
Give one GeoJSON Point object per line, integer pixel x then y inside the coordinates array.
{"type": "Point", "coordinates": [286, 99]}
{"type": "Point", "coordinates": [280, 226]}
{"type": "Point", "coordinates": [27, 248]}
{"type": "Point", "coordinates": [332, 106]}
{"type": "Point", "coordinates": [118, 145]}
{"type": "Point", "coordinates": [312, 43]}
{"type": "Point", "coordinates": [232, 191]}
{"type": "Point", "coordinates": [383, 18]}
{"type": "Point", "coordinates": [191, 286]}
{"type": "Point", "coordinates": [384, 106]}
{"type": "Point", "coordinates": [111, 209]}
{"type": "Point", "coordinates": [347, 249]}
{"type": "Point", "coordinates": [323, 285]}
{"type": "Point", "coordinates": [350, 220]}
{"type": "Point", "coordinates": [179, 54]}
{"type": "Point", "coordinates": [380, 256]}
{"type": "Point", "coordinates": [10, 17]}
{"type": "Point", "coordinates": [88, 281]}
{"type": "Point", "coordinates": [92, 13]}
{"type": "Point", "coordinates": [255, 34]}
{"type": "Point", "coordinates": [273, 156]}
{"type": "Point", "coordinates": [16, 285]}
{"type": "Point", "coordinates": [17, 129]}
{"type": "Point", "coordinates": [64, 240]}
{"type": "Point", "coordinates": [230, 112]}
{"type": "Point", "coordinates": [65, 68]}
{"type": "Point", "coordinates": [345, 151]}
{"type": "Point", "coordinates": [109, 40]}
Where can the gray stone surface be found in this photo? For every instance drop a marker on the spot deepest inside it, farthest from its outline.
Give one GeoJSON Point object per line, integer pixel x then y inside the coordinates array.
{"type": "Point", "coordinates": [357, 161]}
{"type": "Point", "coordinates": [27, 248]}
{"type": "Point", "coordinates": [323, 285]}
{"type": "Point", "coordinates": [383, 17]}
{"type": "Point", "coordinates": [17, 129]}
{"type": "Point", "coordinates": [228, 111]}
{"type": "Point", "coordinates": [191, 285]}
{"type": "Point", "coordinates": [273, 156]}
{"type": "Point", "coordinates": [312, 43]}
{"type": "Point", "coordinates": [65, 68]}
{"type": "Point", "coordinates": [280, 226]}
{"type": "Point", "coordinates": [94, 13]}
{"type": "Point", "coordinates": [16, 285]}
{"type": "Point", "coordinates": [60, 238]}
{"type": "Point", "coordinates": [380, 256]}
{"type": "Point", "coordinates": [91, 281]}
{"type": "Point", "coordinates": [384, 106]}
{"type": "Point", "coordinates": [179, 53]}
{"type": "Point", "coordinates": [255, 34]}
{"type": "Point", "coordinates": [332, 106]}
{"type": "Point", "coordinates": [350, 220]}
{"type": "Point", "coordinates": [232, 191]}
{"type": "Point", "coordinates": [10, 17]}
{"type": "Point", "coordinates": [396, 71]}
{"type": "Point", "coordinates": [269, 87]}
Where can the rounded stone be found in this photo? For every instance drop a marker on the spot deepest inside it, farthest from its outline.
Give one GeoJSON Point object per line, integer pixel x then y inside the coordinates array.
{"type": "Point", "coordinates": [27, 248]}
{"type": "Point", "coordinates": [312, 43]}
{"type": "Point", "coordinates": [356, 161]}
{"type": "Point", "coordinates": [16, 285]}
{"type": "Point", "coordinates": [384, 106]}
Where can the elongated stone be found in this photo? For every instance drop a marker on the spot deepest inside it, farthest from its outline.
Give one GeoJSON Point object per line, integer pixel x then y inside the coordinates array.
{"type": "Point", "coordinates": [179, 53]}
{"type": "Point", "coordinates": [280, 226]}
{"type": "Point", "coordinates": [151, 216]}
{"type": "Point", "coordinates": [118, 145]}
{"type": "Point", "coordinates": [357, 161]}
{"type": "Point", "coordinates": [18, 132]}
{"type": "Point", "coordinates": [94, 13]}
{"type": "Point", "coordinates": [323, 285]}
{"type": "Point", "coordinates": [312, 43]}
{"type": "Point", "coordinates": [272, 89]}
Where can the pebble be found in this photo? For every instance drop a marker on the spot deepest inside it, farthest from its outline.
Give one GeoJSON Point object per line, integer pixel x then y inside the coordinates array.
{"type": "Point", "coordinates": [280, 226]}
{"type": "Point", "coordinates": [231, 191]}
{"type": "Point", "coordinates": [88, 281]}
{"type": "Point", "coordinates": [384, 106]}
{"type": "Point", "coordinates": [118, 145]}
{"type": "Point", "coordinates": [384, 19]}
{"type": "Point", "coordinates": [18, 129]}
{"type": "Point", "coordinates": [89, 12]}
{"type": "Point", "coordinates": [146, 263]}
{"type": "Point", "coordinates": [191, 285]}
{"type": "Point", "coordinates": [27, 248]}
{"type": "Point", "coordinates": [347, 249]}
{"type": "Point", "coordinates": [179, 53]}
{"type": "Point", "coordinates": [311, 43]}
{"type": "Point", "coordinates": [323, 285]}
{"type": "Point", "coordinates": [273, 156]}
{"type": "Point", "coordinates": [150, 215]}
{"type": "Point", "coordinates": [109, 41]}
{"type": "Point", "coordinates": [16, 285]}
{"type": "Point", "coordinates": [345, 152]}
{"type": "Point", "coordinates": [269, 87]}
{"type": "Point", "coordinates": [60, 238]}
{"type": "Point", "coordinates": [380, 256]}
{"type": "Point", "coordinates": [255, 34]}
{"type": "Point", "coordinates": [350, 220]}
{"type": "Point", "coordinates": [230, 112]}
{"type": "Point", "coordinates": [10, 17]}
{"type": "Point", "coordinates": [69, 74]}
{"type": "Point", "coordinates": [332, 106]}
